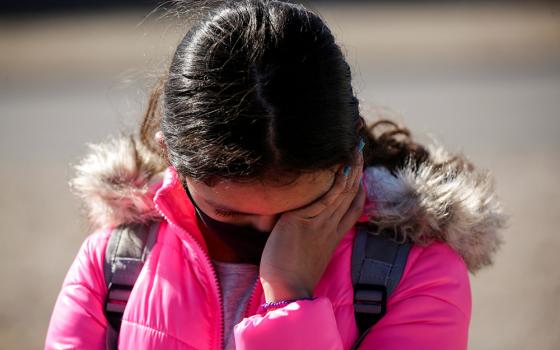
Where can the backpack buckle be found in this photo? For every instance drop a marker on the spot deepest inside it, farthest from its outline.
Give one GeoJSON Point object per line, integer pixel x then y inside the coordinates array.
{"type": "Point", "coordinates": [117, 296]}
{"type": "Point", "coordinates": [370, 299]}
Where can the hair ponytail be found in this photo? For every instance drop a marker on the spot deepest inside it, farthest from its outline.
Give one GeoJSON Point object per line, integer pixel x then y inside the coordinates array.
{"type": "Point", "coordinates": [151, 121]}
{"type": "Point", "coordinates": [391, 148]}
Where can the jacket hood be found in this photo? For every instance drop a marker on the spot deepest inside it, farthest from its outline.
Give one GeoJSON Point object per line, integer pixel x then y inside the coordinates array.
{"type": "Point", "coordinates": [118, 179]}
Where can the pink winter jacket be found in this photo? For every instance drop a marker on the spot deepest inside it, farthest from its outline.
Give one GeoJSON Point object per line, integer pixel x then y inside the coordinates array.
{"type": "Point", "coordinates": [176, 303]}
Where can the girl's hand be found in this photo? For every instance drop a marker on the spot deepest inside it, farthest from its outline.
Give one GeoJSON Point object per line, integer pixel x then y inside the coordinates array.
{"type": "Point", "coordinates": [302, 242]}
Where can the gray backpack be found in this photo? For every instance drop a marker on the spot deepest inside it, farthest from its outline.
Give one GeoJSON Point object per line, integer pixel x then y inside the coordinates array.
{"type": "Point", "coordinates": [377, 265]}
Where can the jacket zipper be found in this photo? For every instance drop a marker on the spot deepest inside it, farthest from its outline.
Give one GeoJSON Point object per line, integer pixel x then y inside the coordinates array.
{"type": "Point", "coordinates": [250, 302]}
{"type": "Point", "coordinates": [216, 281]}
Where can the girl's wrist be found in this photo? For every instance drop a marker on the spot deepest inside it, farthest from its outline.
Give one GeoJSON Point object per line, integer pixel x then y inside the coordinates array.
{"type": "Point", "coordinates": [278, 293]}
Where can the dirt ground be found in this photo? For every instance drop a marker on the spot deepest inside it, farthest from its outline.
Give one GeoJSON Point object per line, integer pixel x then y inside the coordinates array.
{"type": "Point", "coordinates": [483, 80]}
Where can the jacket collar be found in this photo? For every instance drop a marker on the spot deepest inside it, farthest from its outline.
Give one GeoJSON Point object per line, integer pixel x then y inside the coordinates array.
{"type": "Point", "coordinates": [173, 204]}
{"type": "Point", "coordinates": [120, 181]}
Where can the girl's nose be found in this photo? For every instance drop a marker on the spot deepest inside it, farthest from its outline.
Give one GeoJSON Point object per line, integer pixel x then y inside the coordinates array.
{"type": "Point", "coordinates": [265, 223]}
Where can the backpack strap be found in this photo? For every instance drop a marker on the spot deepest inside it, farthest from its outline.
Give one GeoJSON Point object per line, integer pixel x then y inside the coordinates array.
{"type": "Point", "coordinates": [127, 249]}
{"type": "Point", "coordinates": [377, 266]}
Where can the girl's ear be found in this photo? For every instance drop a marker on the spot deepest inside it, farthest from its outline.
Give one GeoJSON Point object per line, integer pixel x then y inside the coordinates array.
{"type": "Point", "coordinates": [159, 140]}
{"type": "Point", "coordinates": [361, 124]}
{"type": "Point", "coordinates": [163, 147]}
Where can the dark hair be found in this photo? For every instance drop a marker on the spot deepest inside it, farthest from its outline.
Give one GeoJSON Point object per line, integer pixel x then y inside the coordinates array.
{"type": "Point", "coordinates": [259, 89]}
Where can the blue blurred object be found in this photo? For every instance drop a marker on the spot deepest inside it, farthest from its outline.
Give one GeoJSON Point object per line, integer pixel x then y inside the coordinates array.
{"type": "Point", "coordinates": [361, 149]}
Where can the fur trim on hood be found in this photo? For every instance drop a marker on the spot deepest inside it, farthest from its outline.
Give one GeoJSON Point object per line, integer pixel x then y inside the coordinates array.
{"type": "Point", "coordinates": [450, 203]}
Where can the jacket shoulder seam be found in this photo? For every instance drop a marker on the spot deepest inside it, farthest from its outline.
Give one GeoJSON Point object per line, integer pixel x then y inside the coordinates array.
{"type": "Point", "coordinates": [94, 293]}
{"type": "Point", "coordinates": [162, 332]}
{"type": "Point", "coordinates": [450, 303]}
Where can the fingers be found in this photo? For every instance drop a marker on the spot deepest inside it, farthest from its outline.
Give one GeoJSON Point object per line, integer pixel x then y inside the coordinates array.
{"type": "Point", "coordinates": [340, 195]}
{"type": "Point", "coordinates": [351, 191]}
{"type": "Point", "coordinates": [329, 199]}
{"type": "Point", "coordinates": [354, 211]}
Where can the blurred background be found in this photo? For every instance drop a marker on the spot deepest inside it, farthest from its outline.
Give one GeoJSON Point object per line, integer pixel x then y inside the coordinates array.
{"type": "Point", "coordinates": [482, 78]}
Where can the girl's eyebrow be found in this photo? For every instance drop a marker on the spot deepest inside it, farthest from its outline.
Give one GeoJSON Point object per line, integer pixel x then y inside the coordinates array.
{"type": "Point", "coordinates": [220, 207]}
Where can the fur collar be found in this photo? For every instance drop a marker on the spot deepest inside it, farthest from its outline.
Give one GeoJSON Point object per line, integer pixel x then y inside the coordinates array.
{"type": "Point", "coordinates": [118, 178]}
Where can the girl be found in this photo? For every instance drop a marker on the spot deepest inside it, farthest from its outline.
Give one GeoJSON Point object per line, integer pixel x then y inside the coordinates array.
{"type": "Point", "coordinates": [255, 161]}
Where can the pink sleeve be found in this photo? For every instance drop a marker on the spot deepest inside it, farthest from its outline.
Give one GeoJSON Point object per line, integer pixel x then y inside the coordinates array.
{"type": "Point", "coordinates": [431, 308]}
{"type": "Point", "coordinates": [77, 320]}
{"type": "Point", "coordinates": [303, 324]}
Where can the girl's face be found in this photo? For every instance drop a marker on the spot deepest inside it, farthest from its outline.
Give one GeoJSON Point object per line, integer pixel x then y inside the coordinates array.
{"type": "Point", "coordinates": [258, 205]}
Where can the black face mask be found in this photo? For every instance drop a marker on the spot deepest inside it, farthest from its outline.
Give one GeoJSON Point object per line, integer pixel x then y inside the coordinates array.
{"type": "Point", "coordinates": [247, 242]}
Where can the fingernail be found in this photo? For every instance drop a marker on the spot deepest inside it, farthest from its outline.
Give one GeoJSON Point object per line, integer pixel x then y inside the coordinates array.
{"type": "Point", "coordinates": [361, 145]}
{"type": "Point", "coordinates": [346, 170]}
